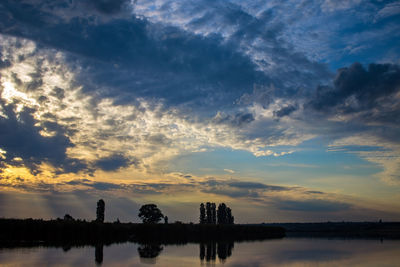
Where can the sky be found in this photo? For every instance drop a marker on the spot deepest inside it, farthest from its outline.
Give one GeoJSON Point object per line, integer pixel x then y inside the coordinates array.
{"type": "Point", "coordinates": [287, 111]}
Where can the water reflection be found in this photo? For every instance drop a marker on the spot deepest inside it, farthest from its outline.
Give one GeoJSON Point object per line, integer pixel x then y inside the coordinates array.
{"type": "Point", "coordinates": [66, 248]}
{"type": "Point", "coordinates": [149, 252]}
{"type": "Point", "coordinates": [278, 252]}
{"type": "Point", "coordinates": [98, 254]}
{"type": "Point", "coordinates": [224, 250]}
{"type": "Point", "coordinates": [209, 250]}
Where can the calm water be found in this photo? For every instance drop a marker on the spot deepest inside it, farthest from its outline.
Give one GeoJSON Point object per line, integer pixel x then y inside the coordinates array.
{"type": "Point", "coordinates": [280, 252]}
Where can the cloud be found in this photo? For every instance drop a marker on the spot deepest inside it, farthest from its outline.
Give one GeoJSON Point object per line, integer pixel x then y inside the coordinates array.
{"type": "Point", "coordinates": [314, 192]}
{"type": "Point", "coordinates": [285, 111]}
{"type": "Point", "coordinates": [390, 9]}
{"type": "Point", "coordinates": [107, 6]}
{"type": "Point", "coordinates": [21, 138]}
{"type": "Point", "coordinates": [369, 94]}
{"type": "Point", "coordinates": [162, 79]}
{"type": "Point", "coordinates": [229, 170]}
{"type": "Point", "coordinates": [253, 185]}
{"type": "Point", "coordinates": [100, 131]}
{"type": "Point", "coordinates": [258, 33]}
{"type": "Point", "coordinates": [78, 182]}
{"type": "Point", "coordinates": [104, 133]}
{"type": "Point", "coordinates": [332, 5]}
{"type": "Point", "coordinates": [101, 186]}
{"type": "Point", "coordinates": [112, 163]}
{"type": "Point", "coordinates": [163, 61]}
{"type": "Point", "coordinates": [362, 111]}
{"type": "Point", "coordinates": [237, 188]}
{"type": "Point", "coordinates": [239, 119]}
{"type": "Point", "coordinates": [105, 186]}
{"type": "Point", "coordinates": [218, 68]}
{"type": "Point", "coordinates": [381, 151]}
{"type": "Point", "coordinates": [4, 64]}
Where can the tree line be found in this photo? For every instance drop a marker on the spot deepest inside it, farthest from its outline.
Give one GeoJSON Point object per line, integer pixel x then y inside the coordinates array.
{"type": "Point", "coordinates": [150, 213]}
{"type": "Point", "coordinates": [209, 214]}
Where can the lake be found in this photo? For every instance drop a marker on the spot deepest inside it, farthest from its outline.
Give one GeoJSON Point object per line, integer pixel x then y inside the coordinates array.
{"type": "Point", "coordinates": [274, 252]}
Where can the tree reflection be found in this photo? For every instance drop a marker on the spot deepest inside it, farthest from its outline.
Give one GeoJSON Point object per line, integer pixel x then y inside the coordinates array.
{"type": "Point", "coordinates": [224, 250]}
{"type": "Point", "coordinates": [208, 251]}
{"type": "Point", "coordinates": [98, 254]}
{"type": "Point", "coordinates": [149, 252]}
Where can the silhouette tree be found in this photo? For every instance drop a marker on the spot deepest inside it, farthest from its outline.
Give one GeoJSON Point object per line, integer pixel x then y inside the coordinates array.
{"type": "Point", "coordinates": [224, 214]}
{"type": "Point", "coordinates": [68, 217]}
{"type": "Point", "coordinates": [208, 213]}
{"type": "Point", "coordinates": [166, 219]}
{"type": "Point", "coordinates": [230, 218]}
{"type": "Point", "coordinates": [202, 214]}
{"type": "Point", "coordinates": [213, 213]}
{"type": "Point", "coordinates": [149, 213]}
{"type": "Point", "coordinates": [100, 211]}
{"type": "Point", "coordinates": [222, 218]}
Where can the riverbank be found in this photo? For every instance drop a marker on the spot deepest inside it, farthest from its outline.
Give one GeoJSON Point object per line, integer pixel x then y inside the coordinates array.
{"type": "Point", "coordinates": [79, 232]}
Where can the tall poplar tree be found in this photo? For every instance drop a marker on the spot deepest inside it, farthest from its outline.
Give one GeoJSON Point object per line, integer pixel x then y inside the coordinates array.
{"type": "Point", "coordinates": [208, 213]}
{"type": "Point", "coordinates": [100, 211]}
{"type": "Point", "coordinates": [202, 214]}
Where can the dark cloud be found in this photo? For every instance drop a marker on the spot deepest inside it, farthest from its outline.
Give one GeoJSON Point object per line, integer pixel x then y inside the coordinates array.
{"type": "Point", "coordinates": [143, 189]}
{"type": "Point", "coordinates": [138, 58]}
{"type": "Point", "coordinates": [187, 176]}
{"type": "Point", "coordinates": [106, 186]}
{"type": "Point", "coordinates": [243, 118]}
{"type": "Point", "coordinates": [313, 205]}
{"type": "Point", "coordinates": [253, 185]}
{"type": "Point", "coordinates": [89, 185]}
{"type": "Point", "coordinates": [113, 163]}
{"type": "Point", "coordinates": [260, 94]}
{"type": "Point", "coordinates": [368, 94]}
{"type": "Point", "coordinates": [130, 57]}
{"type": "Point", "coordinates": [285, 111]}
{"type": "Point", "coordinates": [29, 187]}
{"type": "Point", "coordinates": [58, 92]}
{"type": "Point", "coordinates": [235, 188]}
{"type": "Point", "coordinates": [78, 182]}
{"type": "Point", "coordinates": [232, 193]}
{"type": "Point", "coordinates": [101, 186]}
{"type": "Point", "coordinates": [251, 34]}
{"type": "Point", "coordinates": [20, 137]}
{"type": "Point", "coordinates": [35, 83]}
{"type": "Point", "coordinates": [239, 119]}
{"type": "Point", "coordinates": [107, 6]}
{"type": "Point", "coordinates": [211, 182]}
{"type": "Point", "coordinates": [4, 63]}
